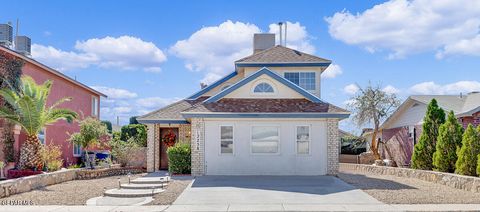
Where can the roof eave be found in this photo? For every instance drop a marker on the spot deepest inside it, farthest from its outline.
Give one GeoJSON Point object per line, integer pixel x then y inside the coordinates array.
{"type": "Point", "coordinates": [263, 115]}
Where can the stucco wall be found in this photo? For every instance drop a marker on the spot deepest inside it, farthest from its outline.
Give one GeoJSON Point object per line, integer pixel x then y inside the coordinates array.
{"type": "Point", "coordinates": [58, 133]}
{"type": "Point", "coordinates": [286, 162]}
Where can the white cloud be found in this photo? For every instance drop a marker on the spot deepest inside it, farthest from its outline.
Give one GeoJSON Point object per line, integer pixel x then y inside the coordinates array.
{"type": "Point", "coordinates": [62, 60]}
{"type": "Point", "coordinates": [124, 53]}
{"type": "Point", "coordinates": [155, 102]}
{"type": "Point", "coordinates": [462, 47]}
{"type": "Point", "coordinates": [406, 27]}
{"type": "Point", "coordinates": [332, 71]}
{"type": "Point", "coordinates": [389, 89]}
{"type": "Point", "coordinates": [214, 49]}
{"type": "Point", "coordinates": [122, 110]}
{"type": "Point", "coordinates": [297, 36]}
{"type": "Point", "coordinates": [351, 89]}
{"type": "Point", "coordinates": [452, 88]}
{"type": "Point", "coordinates": [115, 93]}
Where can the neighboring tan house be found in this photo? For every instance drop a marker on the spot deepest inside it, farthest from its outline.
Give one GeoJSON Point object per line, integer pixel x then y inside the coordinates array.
{"type": "Point", "coordinates": [265, 118]}
{"type": "Point", "coordinates": [401, 131]}
{"type": "Point", "coordinates": [85, 101]}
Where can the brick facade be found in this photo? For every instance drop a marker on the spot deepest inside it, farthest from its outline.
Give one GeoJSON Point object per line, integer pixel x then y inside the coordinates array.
{"type": "Point", "coordinates": [150, 147]}
{"type": "Point", "coordinates": [333, 146]}
{"type": "Point", "coordinates": [198, 146]}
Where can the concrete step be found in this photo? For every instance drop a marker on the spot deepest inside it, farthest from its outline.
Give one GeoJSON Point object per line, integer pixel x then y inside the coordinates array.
{"type": "Point", "coordinates": [151, 180]}
{"type": "Point", "coordinates": [125, 193]}
{"type": "Point", "coordinates": [143, 186]}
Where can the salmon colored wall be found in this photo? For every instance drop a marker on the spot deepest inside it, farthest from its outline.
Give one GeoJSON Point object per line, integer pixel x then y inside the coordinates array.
{"type": "Point", "coordinates": [58, 133]}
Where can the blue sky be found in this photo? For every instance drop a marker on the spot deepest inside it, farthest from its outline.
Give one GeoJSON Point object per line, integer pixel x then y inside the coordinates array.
{"type": "Point", "coordinates": [145, 54]}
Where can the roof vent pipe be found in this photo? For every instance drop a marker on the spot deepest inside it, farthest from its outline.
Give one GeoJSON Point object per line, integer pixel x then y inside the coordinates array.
{"type": "Point", "coordinates": [280, 31]}
{"type": "Point", "coordinates": [285, 34]}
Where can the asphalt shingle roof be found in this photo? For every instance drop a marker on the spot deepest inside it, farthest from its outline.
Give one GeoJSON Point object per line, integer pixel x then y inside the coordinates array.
{"type": "Point", "coordinates": [172, 111]}
{"type": "Point", "coordinates": [231, 105]}
{"type": "Point", "coordinates": [281, 54]}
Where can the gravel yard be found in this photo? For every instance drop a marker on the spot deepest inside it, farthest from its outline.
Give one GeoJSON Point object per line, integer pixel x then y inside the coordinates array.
{"type": "Point", "coordinates": [174, 189]}
{"type": "Point", "coordinates": [75, 192]}
{"type": "Point", "coordinates": [398, 190]}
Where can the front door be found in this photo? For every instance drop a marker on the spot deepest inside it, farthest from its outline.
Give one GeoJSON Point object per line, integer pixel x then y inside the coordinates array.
{"type": "Point", "coordinates": [168, 136]}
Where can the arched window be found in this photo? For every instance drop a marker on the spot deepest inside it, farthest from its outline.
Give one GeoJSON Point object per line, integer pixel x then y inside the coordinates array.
{"type": "Point", "coordinates": [263, 88]}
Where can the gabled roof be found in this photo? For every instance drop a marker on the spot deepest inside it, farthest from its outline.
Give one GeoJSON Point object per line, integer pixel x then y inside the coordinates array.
{"type": "Point", "coordinates": [282, 55]}
{"type": "Point", "coordinates": [234, 105]}
{"type": "Point", "coordinates": [462, 106]}
{"type": "Point", "coordinates": [50, 70]}
{"type": "Point", "coordinates": [170, 113]}
{"type": "Point", "coordinates": [212, 86]}
{"type": "Point", "coordinates": [271, 74]}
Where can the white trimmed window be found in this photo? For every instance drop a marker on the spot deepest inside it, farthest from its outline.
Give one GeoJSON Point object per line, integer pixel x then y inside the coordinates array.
{"type": "Point", "coordinates": [77, 150]}
{"type": "Point", "coordinates": [226, 139]}
{"type": "Point", "coordinates": [94, 106]}
{"type": "Point", "coordinates": [303, 140]}
{"type": "Point", "coordinates": [41, 136]}
{"type": "Point", "coordinates": [263, 88]}
{"type": "Point", "coordinates": [265, 140]}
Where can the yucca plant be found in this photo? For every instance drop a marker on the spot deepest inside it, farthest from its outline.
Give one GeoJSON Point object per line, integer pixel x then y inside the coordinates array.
{"type": "Point", "coordinates": [29, 110]}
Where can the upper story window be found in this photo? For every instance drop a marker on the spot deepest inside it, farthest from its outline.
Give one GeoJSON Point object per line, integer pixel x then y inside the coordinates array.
{"type": "Point", "coordinates": [263, 88]}
{"type": "Point", "coordinates": [306, 80]}
{"type": "Point", "coordinates": [94, 106]}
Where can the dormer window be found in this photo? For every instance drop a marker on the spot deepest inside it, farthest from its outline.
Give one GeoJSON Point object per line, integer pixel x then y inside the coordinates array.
{"type": "Point", "coordinates": [263, 88]}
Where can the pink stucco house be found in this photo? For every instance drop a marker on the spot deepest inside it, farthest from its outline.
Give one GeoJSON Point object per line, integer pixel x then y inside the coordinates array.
{"type": "Point", "coordinates": [85, 101]}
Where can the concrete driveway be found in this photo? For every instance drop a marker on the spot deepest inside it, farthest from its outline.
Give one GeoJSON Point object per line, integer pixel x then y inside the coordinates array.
{"type": "Point", "coordinates": [271, 190]}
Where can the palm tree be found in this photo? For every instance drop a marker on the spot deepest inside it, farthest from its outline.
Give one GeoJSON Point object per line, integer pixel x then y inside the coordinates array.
{"type": "Point", "coordinates": [29, 110]}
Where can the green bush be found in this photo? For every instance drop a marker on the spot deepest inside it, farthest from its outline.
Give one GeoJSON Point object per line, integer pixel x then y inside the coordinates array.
{"type": "Point", "coordinates": [179, 158]}
{"type": "Point", "coordinates": [137, 132]}
{"type": "Point", "coordinates": [123, 150]}
{"type": "Point", "coordinates": [109, 125]}
{"type": "Point", "coordinates": [422, 157]}
{"type": "Point", "coordinates": [478, 165]}
{"type": "Point", "coordinates": [468, 154]}
{"type": "Point", "coordinates": [448, 141]}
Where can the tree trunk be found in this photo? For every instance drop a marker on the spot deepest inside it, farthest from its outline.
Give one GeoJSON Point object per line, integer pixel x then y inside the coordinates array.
{"type": "Point", "coordinates": [374, 146]}
{"type": "Point", "coordinates": [30, 154]}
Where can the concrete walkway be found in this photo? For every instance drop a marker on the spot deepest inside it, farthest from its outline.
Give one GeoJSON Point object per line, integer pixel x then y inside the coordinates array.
{"type": "Point", "coordinates": [271, 207]}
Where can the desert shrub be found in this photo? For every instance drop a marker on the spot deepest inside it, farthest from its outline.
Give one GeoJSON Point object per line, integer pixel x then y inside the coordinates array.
{"type": "Point", "coordinates": [51, 157]}
{"type": "Point", "coordinates": [179, 158]}
{"type": "Point", "coordinates": [122, 151]}
{"type": "Point", "coordinates": [137, 132]}
{"type": "Point", "coordinates": [468, 154]}
{"type": "Point", "coordinates": [74, 166]}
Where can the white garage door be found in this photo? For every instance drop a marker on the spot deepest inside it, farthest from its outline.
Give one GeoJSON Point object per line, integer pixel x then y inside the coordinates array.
{"type": "Point", "coordinates": [265, 147]}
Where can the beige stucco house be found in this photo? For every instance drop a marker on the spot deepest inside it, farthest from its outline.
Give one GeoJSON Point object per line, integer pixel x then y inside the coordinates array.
{"type": "Point", "coordinates": [265, 118]}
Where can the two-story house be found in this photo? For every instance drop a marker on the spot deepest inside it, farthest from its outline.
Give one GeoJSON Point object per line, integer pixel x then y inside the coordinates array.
{"type": "Point", "coordinates": [85, 100]}
{"type": "Point", "coordinates": [265, 118]}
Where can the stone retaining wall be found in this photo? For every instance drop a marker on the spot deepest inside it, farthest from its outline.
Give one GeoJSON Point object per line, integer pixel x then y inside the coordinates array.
{"type": "Point", "coordinates": [24, 184]}
{"type": "Point", "coordinates": [466, 183]}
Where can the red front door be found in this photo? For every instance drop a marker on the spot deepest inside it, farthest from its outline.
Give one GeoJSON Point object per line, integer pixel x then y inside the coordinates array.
{"type": "Point", "coordinates": [166, 133]}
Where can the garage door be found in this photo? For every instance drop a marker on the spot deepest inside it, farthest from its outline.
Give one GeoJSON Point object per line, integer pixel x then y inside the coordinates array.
{"type": "Point", "coordinates": [265, 147]}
